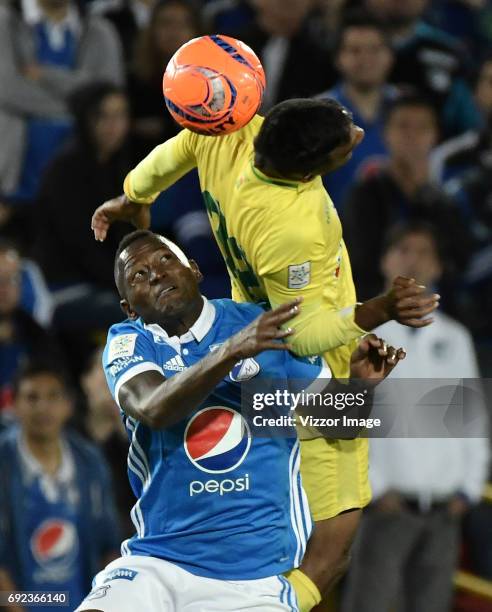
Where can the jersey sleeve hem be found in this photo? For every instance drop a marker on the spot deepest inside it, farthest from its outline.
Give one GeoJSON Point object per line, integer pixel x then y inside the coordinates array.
{"type": "Point", "coordinates": [147, 366]}
{"type": "Point", "coordinates": [130, 193]}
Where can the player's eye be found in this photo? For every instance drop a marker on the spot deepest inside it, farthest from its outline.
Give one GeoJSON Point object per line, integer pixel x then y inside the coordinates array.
{"type": "Point", "coordinates": [140, 275]}
{"type": "Point", "coordinates": [164, 258]}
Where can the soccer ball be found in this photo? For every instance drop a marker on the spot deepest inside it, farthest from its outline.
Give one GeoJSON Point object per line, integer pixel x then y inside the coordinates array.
{"type": "Point", "coordinates": [213, 85]}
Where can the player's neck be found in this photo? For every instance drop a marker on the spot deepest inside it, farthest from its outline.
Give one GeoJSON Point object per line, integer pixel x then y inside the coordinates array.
{"type": "Point", "coordinates": [47, 451]}
{"type": "Point", "coordinates": [55, 15]}
{"type": "Point", "coordinates": [367, 100]}
{"type": "Point", "coordinates": [178, 326]}
{"type": "Point", "coordinates": [273, 174]}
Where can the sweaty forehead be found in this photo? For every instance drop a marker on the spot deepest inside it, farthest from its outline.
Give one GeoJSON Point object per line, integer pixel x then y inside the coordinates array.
{"type": "Point", "coordinates": [148, 245]}
{"type": "Point", "coordinates": [140, 247]}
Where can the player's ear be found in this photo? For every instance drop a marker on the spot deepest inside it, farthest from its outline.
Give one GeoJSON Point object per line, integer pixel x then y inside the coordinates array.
{"type": "Point", "coordinates": [196, 271]}
{"type": "Point", "coordinates": [125, 307]}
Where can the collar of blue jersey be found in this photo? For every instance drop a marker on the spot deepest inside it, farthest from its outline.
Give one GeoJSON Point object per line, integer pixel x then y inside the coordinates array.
{"type": "Point", "coordinates": [33, 468]}
{"type": "Point", "coordinates": [197, 331]}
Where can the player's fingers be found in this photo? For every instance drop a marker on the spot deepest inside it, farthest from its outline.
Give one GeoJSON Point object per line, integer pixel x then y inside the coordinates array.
{"type": "Point", "coordinates": [284, 307]}
{"type": "Point", "coordinates": [401, 354]}
{"type": "Point", "coordinates": [383, 348]}
{"type": "Point", "coordinates": [418, 301]}
{"type": "Point", "coordinates": [403, 281]}
{"type": "Point", "coordinates": [284, 333]}
{"type": "Point", "coordinates": [416, 313]}
{"type": "Point", "coordinates": [402, 293]}
{"type": "Point", "coordinates": [373, 340]}
{"type": "Point", "coordinates": [277, 318]}
{"type": "Point", "coordinates": [391, 355]}
{"type": "Point", "coordinates": [100, 229]}
{"type": "Point", "coordinates": [276, 346]}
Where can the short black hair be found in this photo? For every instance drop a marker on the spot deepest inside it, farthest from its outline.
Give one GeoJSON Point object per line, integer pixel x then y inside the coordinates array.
{"type": "Point", "coordinates": [362, 19]}
{"type": "Point", "coordinates": [40, 367]}
{"type": "Point", "coordinates": [7, 245]}
{"type": "Point", "coordinates": [124, 243]}
{"type": "Point", "coordinates": [298, 135]}
{"type": "Point", "coordinates": [400, 231]}
{"type": "Point", "coordinates": [410, 98]}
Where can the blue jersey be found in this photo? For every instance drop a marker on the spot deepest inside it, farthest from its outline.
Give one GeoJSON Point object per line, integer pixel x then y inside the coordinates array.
{"type": "Point", "coordinates": [211, 498]}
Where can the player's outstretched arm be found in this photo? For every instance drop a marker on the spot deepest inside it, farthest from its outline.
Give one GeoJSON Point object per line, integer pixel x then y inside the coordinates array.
{"type": "Point", "coordinates": [160, 403]}
{"type": "Point", "coordinates": [162, 167]}
{"type": "Point", "coordinates": [406, 302]}
{"type": "Point", "coordinates": [119, 209]}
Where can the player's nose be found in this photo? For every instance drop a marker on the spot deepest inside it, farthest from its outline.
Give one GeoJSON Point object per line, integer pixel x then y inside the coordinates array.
{"type": "Point", "coordinates": [156, 274]}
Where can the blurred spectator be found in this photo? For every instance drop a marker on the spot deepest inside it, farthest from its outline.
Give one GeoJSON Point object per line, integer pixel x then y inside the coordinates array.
{"type": "Point", "coordinates": [473, 190]}
{"type": "Point", "coordinates": [296, 62]}
{"type": "Point", "coordinates": [225, 16]}
{"type": "Point", "coordinates": [128, 18]}
{"type": "Point", "coordinates": [470, 21]}
{"type": "Point", "coordinates": [58, 523]}
{"type": "Point", "coordinates": [464, 164]}
{"type": "Point", "coordinates": [409, 540]}
{"type": "Point", "coordinates": [173, 23]}
{"type": "Point", "coordinates": [363, 58]}
{"type": "Point", "coordinates": [36, 298]}
{"type": "Point", "coordinates": [430, 60]}
{"type": "Point", "coordinates": [21, 338]}
{"type": "Point", "coordinates": [399, 192]}
{"type": "Point", "coordinates": [456, 155]}
{"type": "Point", "coordinates": [89, 171]}
{"type": "Point", "coordinates": [48, 48]}
{"type": "Point", "coordinates": [106, 429]}
{"type": "Point", "coordinates": [334, 12]}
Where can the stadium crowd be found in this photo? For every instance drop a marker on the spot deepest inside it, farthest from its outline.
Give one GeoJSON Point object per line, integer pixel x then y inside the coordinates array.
{"type": "Point", "coordinates": [81, 102]}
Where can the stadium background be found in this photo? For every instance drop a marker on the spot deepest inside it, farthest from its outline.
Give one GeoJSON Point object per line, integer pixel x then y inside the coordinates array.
{"type": "Point", "coordinates": [76, 116]}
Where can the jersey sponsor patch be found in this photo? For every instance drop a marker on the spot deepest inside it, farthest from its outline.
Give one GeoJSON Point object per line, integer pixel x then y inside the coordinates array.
{"type": "Point", "coordinates": [124, 362]}
{"type": "Point", "coordinates": [299, 275]}
{"type": "Point", "coordinates": [122, 346]}
{"type": "Point", "coordinates": [121, 573]}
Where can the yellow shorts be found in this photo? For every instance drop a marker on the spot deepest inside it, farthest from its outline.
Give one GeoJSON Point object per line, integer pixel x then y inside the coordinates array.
{"type": "Point", "coordinates": [335, 475]}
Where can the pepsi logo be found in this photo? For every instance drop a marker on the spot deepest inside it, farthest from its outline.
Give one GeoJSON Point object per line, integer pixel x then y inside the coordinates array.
{"type": "Point", "coordinates": [54, 541]}
{"type": "Point", "coordinates": [217, 440]}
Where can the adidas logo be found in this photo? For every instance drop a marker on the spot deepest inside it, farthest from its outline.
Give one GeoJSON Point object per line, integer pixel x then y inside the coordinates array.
{"type": "Point", "coordinates": [175, 364]}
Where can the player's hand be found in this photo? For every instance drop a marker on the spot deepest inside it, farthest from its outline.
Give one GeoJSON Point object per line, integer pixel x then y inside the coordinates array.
{"type": "Point", "coordinates": [265, 333]}
{"type": "Point", "coordinates": [410, 304]}
{"type": "Point", "coordinates": [119, 209]}
{"type": "Point", "coordinates": [373, 360]}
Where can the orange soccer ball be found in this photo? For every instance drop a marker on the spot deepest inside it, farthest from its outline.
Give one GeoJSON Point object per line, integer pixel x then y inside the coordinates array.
{"type": "Point", "coordinates": [213, 85]}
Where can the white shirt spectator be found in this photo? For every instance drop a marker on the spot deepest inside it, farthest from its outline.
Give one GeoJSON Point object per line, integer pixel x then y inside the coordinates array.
{"type": "Point", "coordinates": [431, 469]}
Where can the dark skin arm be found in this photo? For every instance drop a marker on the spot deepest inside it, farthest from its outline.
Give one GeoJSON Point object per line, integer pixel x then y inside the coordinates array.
{"type": "Point", "coordinates": [160, 403]}
{"type": "Point", "coordinates": [406, 302]}
{"type": "Point", "coordinates": [7, 584]}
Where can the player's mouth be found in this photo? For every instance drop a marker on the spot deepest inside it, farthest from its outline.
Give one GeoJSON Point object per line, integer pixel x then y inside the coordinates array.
{"type": "Point", "coordinates": [163, 294]}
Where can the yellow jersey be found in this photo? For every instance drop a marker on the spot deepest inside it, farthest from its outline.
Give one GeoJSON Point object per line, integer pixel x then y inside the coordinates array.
{"type": "Point", "coordinates": [280, 239]}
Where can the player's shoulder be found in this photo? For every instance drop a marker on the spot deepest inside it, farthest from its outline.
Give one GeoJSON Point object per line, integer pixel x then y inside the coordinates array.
{"type": "Point", "coordinates": [245, 135]}
{"type": "Point", "coordinates": [238, 312]}
{"type": "Point", "coordinates": [122, 338]}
